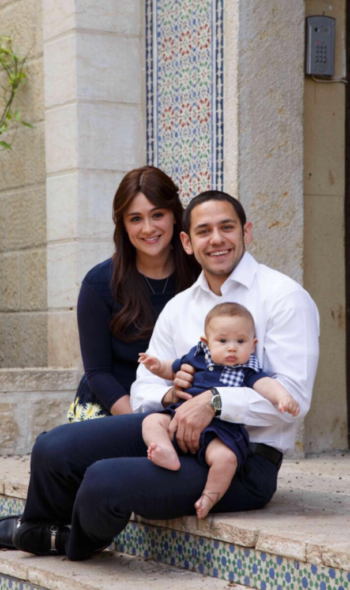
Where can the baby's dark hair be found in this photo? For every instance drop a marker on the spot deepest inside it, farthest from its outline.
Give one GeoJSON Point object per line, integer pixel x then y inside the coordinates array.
{"type": "Point", "coordinates": [230, 310]}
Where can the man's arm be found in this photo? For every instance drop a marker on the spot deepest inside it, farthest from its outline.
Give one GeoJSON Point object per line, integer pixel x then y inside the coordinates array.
{"type": "Point", "coordinates": [290, 355]}
{"type": "Point", "coordinates": [148, 390]}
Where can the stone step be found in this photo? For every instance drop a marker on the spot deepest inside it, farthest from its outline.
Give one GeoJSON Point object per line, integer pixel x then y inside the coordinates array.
{"type": "Point", "coordinates": [301, 540]}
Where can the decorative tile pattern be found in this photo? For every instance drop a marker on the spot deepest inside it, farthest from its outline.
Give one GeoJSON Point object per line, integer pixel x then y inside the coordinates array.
{"type": "Point", "coordinates": [9, 506]}
{"type": "Point", "coordinates": [8, 583]}
{"type": "Point", "coordinates": [227, 561]}
{"type": "Point", "coordinates": [184, 92]}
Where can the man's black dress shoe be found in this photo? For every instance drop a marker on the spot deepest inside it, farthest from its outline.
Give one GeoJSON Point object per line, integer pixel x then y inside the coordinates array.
{"type": "Point", "coordinates": [8, 525]}
{"type": "Point", "coordinates": [41, 538]}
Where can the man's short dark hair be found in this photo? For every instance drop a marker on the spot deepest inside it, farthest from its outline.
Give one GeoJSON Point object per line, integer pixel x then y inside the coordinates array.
{"type": "Point", "coordinates": [212, 196]}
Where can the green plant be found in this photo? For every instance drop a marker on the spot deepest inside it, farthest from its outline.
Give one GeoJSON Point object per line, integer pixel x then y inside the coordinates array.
{"type": "Point", "coordinates": [15, 77]}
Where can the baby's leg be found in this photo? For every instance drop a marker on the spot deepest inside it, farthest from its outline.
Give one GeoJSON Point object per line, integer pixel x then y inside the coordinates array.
{"type": "Point", "coordinates": [156, 436]}
{"type": "Point", "coordinates": [223, 464]}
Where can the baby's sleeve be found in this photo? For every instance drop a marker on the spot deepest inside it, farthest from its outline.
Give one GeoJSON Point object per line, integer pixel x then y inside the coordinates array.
{"type": "Point", "coordinates": [186, 359]}
{"type": "Point", "coordinates": [252, 377]}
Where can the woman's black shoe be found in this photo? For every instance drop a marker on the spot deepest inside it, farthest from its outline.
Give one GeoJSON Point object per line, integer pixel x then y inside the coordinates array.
{"type": "Point", "coordinates": [41, 538]}
{"type": "Point", "coordinates": [8, 525]}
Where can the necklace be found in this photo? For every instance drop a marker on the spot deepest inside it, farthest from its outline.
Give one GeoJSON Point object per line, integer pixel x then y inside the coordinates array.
{"type": "Point", "coordinates": [153, 291]}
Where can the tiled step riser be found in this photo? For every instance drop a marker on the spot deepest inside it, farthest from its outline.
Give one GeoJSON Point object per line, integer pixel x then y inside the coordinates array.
{"type": "Point", "coordinates": [218, 559]}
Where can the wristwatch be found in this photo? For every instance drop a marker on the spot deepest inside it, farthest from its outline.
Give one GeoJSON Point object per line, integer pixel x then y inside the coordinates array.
{"type": "Point", "coordinates": [215, 401]}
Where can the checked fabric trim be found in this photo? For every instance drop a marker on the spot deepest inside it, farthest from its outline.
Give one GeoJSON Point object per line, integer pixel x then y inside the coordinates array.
{"type": "Point", "coordinates": [230, 376]}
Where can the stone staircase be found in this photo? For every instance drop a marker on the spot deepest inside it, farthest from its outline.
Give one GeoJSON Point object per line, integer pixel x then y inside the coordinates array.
{"type": "Point", "coordinates": [301, 540]}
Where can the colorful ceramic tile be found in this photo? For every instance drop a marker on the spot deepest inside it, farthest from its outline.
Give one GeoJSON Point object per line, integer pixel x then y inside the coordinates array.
{"type": "Point", "coordinates": [184, 92]}
{"type": "Point", "coordinates": [9, 506]}
{"type": "Point", "coordinates": [230, 562]}
{"type": "Point", "coordinates": [9, 583]}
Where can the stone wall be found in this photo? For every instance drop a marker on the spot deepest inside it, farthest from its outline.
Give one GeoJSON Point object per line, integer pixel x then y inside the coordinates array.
{"type": "Point", "coordinates": [23, 291]}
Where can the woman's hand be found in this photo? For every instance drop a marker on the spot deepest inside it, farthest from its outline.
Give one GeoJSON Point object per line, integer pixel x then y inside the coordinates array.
{"type": "Point", "coordinates": [121, 406]}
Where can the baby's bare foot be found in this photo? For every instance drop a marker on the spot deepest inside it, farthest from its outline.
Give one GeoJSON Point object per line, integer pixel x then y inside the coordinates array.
{"type": "Point", "coordinates": [164, 456]}
{"type": "Point", "coordinates": [205, 504]}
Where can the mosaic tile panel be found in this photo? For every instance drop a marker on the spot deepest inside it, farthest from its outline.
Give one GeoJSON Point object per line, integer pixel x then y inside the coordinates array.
{"type": "Point", "coordinates": [9, 506]}
{"type": "Point", "coordinates": [227, 561]}
{"type": "Point", "coordinates": [184, 92]}
{"type": "Point", "coordinates": [9, 583]}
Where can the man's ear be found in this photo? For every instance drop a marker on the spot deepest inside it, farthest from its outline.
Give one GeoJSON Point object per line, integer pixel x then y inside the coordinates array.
{"type": "Point", "coordinates": [248, 233]}
{"type": "Point", "coordinates": [186, 242]}
{"type": "Point", "coordinates": [204, 340]}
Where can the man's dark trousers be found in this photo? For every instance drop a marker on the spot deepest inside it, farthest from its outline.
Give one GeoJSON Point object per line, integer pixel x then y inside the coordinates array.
{"type": "Point", "coordinates": [94, 474]}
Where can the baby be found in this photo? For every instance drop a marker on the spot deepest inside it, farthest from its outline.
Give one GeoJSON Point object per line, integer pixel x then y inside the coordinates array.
{"type": "Point", "coordinates": [224, 357]}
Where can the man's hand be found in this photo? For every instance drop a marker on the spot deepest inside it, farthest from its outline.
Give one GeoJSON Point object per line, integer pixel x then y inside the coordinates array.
{"type": "Point", "coordinates": [184, 377]}
{"type": "Point", "coordinates": [190, 420]}
{"type": "Point", "coordinates": [174, 396]}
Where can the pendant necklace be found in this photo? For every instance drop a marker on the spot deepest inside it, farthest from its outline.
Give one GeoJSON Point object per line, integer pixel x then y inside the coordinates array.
{"type": "Point", "coordinates": [153, 291]}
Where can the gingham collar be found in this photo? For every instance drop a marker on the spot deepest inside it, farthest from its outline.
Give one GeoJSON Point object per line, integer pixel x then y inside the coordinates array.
{"type": "Point", "coordinates": [202, 348]}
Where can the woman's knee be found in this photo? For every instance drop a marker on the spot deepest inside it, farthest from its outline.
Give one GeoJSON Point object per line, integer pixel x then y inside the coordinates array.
{"type": "Point", "coordinates": [51, 449]}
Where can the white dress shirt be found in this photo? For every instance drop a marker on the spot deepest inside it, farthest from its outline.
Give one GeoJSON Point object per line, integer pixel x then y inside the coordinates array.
{"type": "Point", "coordinates": [287, 328]}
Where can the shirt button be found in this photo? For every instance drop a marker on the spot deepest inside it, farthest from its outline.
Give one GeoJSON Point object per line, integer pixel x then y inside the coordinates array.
{"type": "Point", "coordinates": [206, 356]}
{"type": "Point", "coordinates": [227, 417]}
{"type": "Point", "coordinates": [211, 368]}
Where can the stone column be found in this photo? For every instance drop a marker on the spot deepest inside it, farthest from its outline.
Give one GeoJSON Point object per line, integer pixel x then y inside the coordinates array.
{"type": "Point", "coordinates": [263, 128]}
{"type": "Point", "coordinates": [94, 134]}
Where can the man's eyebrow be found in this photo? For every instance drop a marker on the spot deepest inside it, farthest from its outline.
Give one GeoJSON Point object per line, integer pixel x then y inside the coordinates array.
{"type": "Point", "coordinates": [228, 220]}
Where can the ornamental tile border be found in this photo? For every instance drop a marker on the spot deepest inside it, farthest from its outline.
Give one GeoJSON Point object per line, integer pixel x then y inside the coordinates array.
{"type": "Point", "coordinates": [9, 583]}
{"type": "Point", "coordinates": [218, 559]}
{"type": "Point", "coordinates": [9, 506]}
{"type": "Point", "coordinates": [184, 92]}
{"type": "Point", "coordinates": [227, 561]}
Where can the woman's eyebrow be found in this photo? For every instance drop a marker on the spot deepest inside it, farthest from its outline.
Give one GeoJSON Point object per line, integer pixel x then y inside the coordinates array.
{"type": "Point", "coordinates": [138, 212]}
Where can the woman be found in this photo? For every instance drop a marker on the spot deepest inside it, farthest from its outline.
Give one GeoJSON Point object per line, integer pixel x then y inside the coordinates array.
{"type": "Point", "coordinates": [121, 298]}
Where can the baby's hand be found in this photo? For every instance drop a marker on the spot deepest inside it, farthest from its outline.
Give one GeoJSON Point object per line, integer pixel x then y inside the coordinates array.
{"type": "Point", "coordinates": [151, 362]}
{"type": "Point", "coordinates": [288, 404]}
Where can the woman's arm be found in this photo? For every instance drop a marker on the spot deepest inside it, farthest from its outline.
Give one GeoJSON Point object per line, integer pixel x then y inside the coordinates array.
{"type": "Point", "coordinates": [96, 350]}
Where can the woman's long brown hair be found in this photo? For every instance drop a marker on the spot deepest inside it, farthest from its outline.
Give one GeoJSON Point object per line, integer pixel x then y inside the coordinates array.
{"type": "Point", "coordinates": [129, 287]}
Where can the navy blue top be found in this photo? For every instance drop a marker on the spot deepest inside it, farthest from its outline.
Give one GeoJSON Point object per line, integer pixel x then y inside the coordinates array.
{"type": "Point", "coordinates": [208, 374]}
{"type": "Point", "coordinates": [110, 365]}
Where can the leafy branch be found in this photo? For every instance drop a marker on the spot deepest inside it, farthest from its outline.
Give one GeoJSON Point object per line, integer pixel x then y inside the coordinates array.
{"type": "Point", "coordinates": [12, 66]}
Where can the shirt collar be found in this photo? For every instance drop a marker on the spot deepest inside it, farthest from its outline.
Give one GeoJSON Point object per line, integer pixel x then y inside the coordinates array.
{"type": "Point", "coordinates": [202, 348]}
{"type": "Point", "coordinates": [244, 274]}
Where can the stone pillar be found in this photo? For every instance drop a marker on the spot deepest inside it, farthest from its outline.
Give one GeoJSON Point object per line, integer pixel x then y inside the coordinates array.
{"type": "Point", "coordinates": [263, 128]}
{"type": "Point", "coordinates": [94, 134]}
{"type": "Point", "coordinates": [263, 124]}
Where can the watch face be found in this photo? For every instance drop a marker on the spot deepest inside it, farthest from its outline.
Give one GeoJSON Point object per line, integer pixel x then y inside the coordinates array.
{"type": "Point", "coordinates": [216, 402]}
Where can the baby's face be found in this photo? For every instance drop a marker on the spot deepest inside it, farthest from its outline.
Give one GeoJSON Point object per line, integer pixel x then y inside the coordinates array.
{"type": "Point", "coordinates": [230, 340]}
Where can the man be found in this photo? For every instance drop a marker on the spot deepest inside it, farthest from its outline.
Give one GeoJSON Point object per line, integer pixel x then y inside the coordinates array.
{"type": "Point", "coordinates": [95, 474]}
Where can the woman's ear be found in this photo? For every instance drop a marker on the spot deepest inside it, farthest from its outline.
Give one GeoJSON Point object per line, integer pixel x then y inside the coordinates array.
{"type": "Point", "coordinates": [186, 242]}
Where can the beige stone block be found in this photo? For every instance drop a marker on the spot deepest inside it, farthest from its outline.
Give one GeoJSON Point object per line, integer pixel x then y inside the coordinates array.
{"type": "Point", "coordinates": [79, 204]}
{"type": "Point", "coordinates": [9, 282]}
{"type": "Point", "coordinates": [55, 406]}
{"type": "Point", "coordinates": [25, 164]}
{"type": "Point", "coordinates": [25, 215]}
{"type": "Point", "coordinates": [67, 264]}
{"type": "Point", "coordinates": [111, 137]}
{"type": "Point", "coordinates": [30, 99]}
{"type": "Point", "coordinates": [326, 423]}
{"type": "Point", "coordinates": [61, 139]}
{"type": "Point", "coordinates": [109, 68]}
{"type": "Point", "coordinates": [113, 16]}
{"type": "Point", "coordinates": [2, 224]}
{"type": "Point", "coordinates": [63, 339]}
{"type": "Point", "coordinates": [61, 70]}
{"type": "Point", "coordinates": [2, 339]}
{"type": "Point", "coordinates": [38, 380]}
{"type": "Point", "coordinates": [9, 426]}
{"type": "Point", "coordinates": [33, 280]}
{"type": "Point", "coordinates": [23, 21]}
{"type": "Point", "coordinates": [25, 339]}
